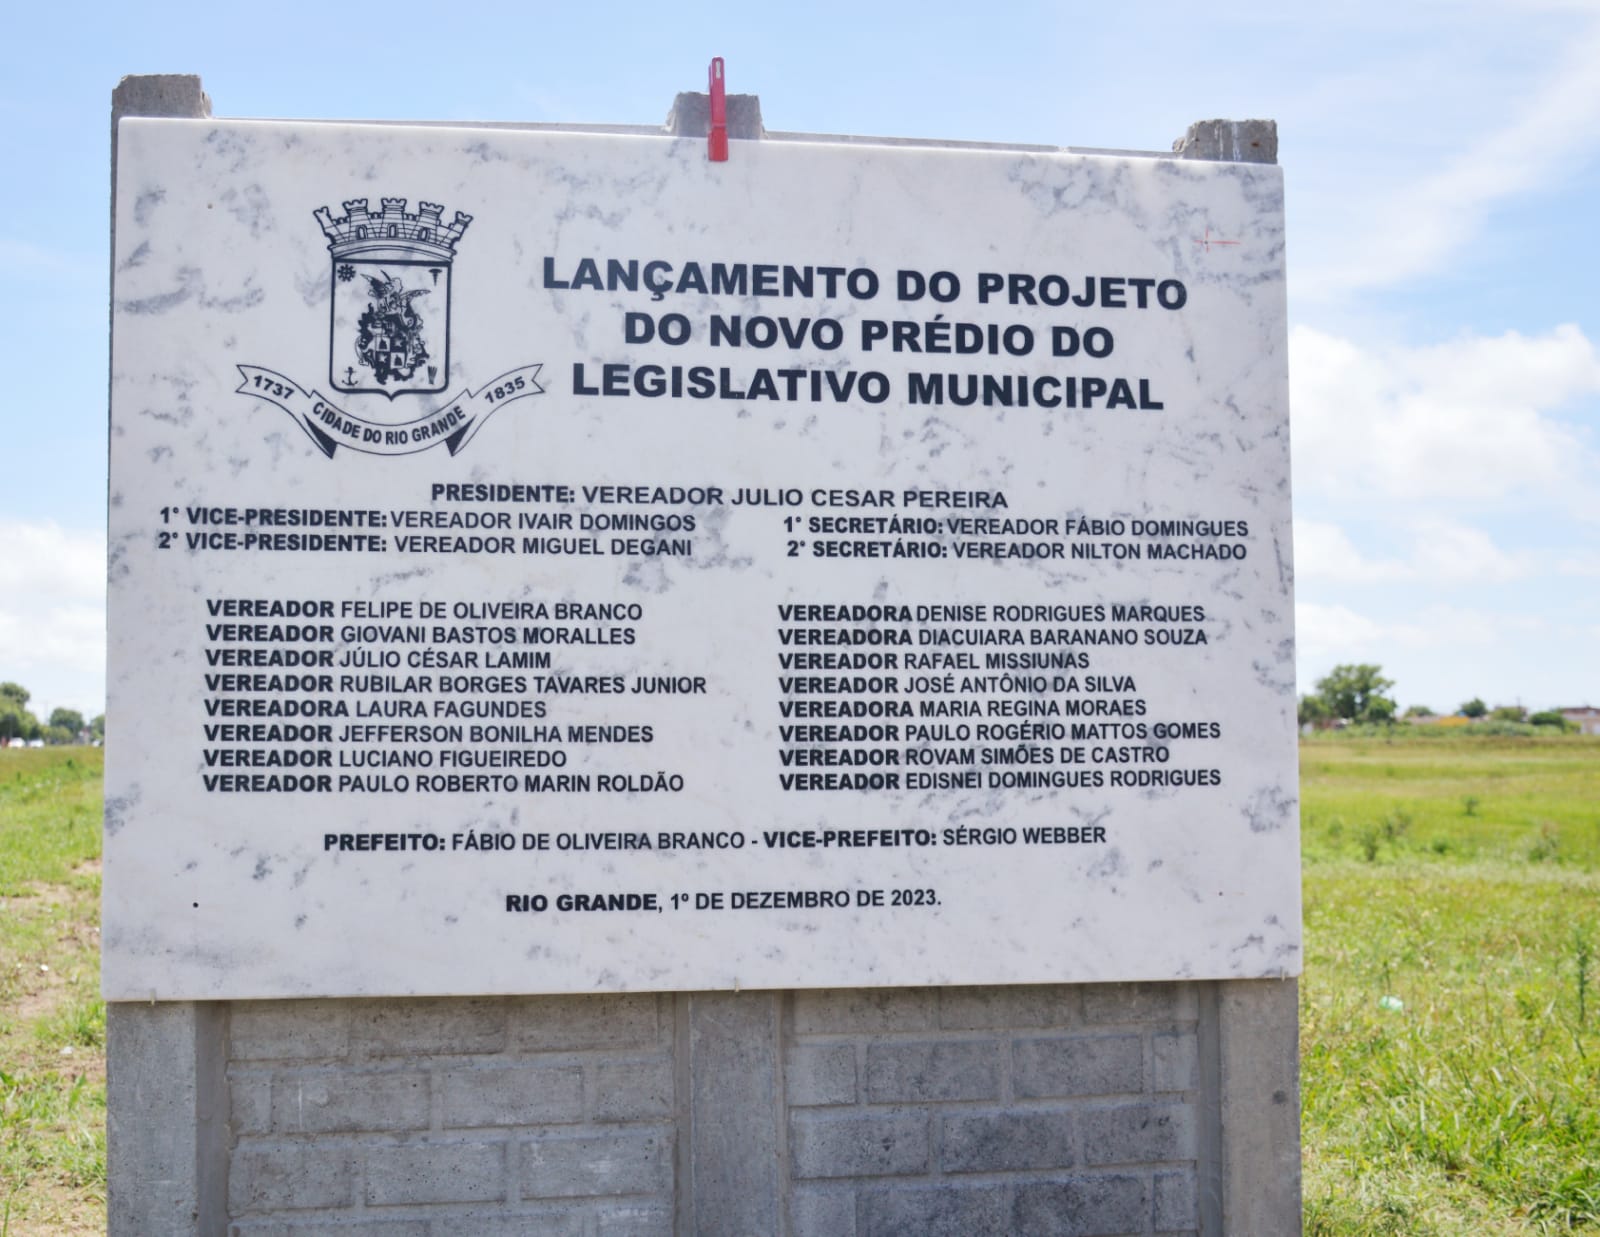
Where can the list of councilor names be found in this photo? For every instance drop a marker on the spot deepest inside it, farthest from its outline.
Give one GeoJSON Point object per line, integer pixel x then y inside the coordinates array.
{"type": "Point", "coordinates": [463, 693]}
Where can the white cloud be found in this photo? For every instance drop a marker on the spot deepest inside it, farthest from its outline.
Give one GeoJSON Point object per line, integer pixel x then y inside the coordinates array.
{"type": "Point", "coordinates": [52, 613]}
{"type": "Point", "coordinates": [1454, 553]}
{"type": "Point", "coordinates": [1416, 227]}
{"type": "Point", "coordinates": [1322, 630]}
{"type": "Point", "coordinates": [1439, 654]}
{"type": "Point", "coordinates": [1582, 564]}
{"type": "Point", "coordinates": [52, 637]}
{"type": "Point", "coordinates": [1468, 419]}
{"type": "Point", "coordinates": [1323, 553]}
{"type": "Point", "coordinates": [42, 559]}
{"type": "Point", "coordinates": [1336, 629]}
{"type": "Point", "coordinates": [1440, 552]}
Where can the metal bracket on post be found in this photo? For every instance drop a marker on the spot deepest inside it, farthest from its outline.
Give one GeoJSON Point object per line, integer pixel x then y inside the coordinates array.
{"type": "Point", "coordinates": [717, 139]}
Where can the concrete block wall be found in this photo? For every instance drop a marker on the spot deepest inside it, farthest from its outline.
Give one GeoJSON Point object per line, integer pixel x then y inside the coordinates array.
{"type": "Point", "coordinates": [541, 1115]}
{"type": "Point", "coordinates": [1093, 1110]}
{"type": "Point", "coordinates": [994, 1110]}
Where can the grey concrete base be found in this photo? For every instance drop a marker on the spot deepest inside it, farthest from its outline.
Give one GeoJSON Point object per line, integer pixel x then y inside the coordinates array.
{"type": "Point", "coordinates": [1156, 1108]}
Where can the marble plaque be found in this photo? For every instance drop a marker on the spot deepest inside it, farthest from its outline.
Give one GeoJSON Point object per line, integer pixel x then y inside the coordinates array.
{"type": "Point", "coordinates": [551, 562]}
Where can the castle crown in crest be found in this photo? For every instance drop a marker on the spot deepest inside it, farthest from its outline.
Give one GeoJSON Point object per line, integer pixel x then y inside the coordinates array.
{"type": "Point", "coordinates": [392, 231]}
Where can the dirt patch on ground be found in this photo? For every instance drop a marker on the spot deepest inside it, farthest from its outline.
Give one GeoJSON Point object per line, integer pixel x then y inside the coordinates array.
{"type": "Point", "coordinates": [36, 1001]}
{"type": "Point", "coordinates": [78, 934]}
{"type": "Point", "coordinates": [38, 978]}
{"type": "Point", "coordinates": [56, 1211]}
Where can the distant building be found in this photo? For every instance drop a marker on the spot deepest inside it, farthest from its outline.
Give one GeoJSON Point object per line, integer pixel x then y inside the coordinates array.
{"type": "Point", "coordinates": [1586, 719]}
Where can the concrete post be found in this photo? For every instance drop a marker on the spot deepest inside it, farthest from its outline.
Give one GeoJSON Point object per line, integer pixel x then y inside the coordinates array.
{"type": "Point", "coordinates": [1230, 141]}
{"type": "Point", "coordinates": [728, 1047]}
{"type": "Point", "coordinates": [1258, 1106]}
{"type": "Point", "coordinates": [167, 1136]}
{"type": "Point", "coordinates": [166, 1064]}
{"type": "Point", "coordinates": [691, 116]}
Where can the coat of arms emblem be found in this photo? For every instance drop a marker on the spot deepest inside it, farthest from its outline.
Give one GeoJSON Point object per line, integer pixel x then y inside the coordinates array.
{"type": "Point", "coordinates": [389, 335]}
{"type": "Point", "coordinates": [389, 332]}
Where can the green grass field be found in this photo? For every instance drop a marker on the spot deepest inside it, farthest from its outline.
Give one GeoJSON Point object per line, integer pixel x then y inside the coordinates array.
{"type": "Point", "coordinates": [1458, 877]}
{"type": "Point", "coordinates": [52, 1024]}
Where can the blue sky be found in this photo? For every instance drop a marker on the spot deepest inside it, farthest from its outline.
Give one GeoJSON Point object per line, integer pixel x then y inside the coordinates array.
{"type": "Point", "coordinates": [1442, 164]}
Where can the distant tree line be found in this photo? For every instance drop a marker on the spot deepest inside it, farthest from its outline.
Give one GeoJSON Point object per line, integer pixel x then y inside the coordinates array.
{"type": "Point", "coordinates": [62, 726]}
{"type": "Point", "coordinates": [1356, 694]}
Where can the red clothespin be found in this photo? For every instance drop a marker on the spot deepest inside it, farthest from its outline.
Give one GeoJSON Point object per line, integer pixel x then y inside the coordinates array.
{"type": "Point", "coordinates": [717, 140]}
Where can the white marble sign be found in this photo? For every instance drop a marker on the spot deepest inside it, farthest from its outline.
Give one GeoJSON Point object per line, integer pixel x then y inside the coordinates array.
{"type": "Point", "coordinates": [554, 562]}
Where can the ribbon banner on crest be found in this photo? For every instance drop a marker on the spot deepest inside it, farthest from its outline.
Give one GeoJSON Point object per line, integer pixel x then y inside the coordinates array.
{"type": "Point", "coordinates": [454, 423]}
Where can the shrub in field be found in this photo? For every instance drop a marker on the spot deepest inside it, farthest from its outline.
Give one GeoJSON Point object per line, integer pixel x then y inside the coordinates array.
{"type": "Point", "coordinates": [1396, 825]}
{"type": "Point", "coordinates": [1583, 953]}
{"type": "Point", "coordinates": [1546, 845]}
